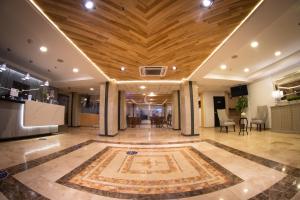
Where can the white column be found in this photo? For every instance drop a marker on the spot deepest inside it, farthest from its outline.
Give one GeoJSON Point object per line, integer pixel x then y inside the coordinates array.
{"type": "Point", "coordinates": [175, 110]}
{"type": "Point", "coordinates": [75, 112]}
{"type": "Point", "coordinates": [123, 108]}
{"type": "Point", "coordinates": [189, 108]}
{"type": "Point", "coordinates": [108, 114]}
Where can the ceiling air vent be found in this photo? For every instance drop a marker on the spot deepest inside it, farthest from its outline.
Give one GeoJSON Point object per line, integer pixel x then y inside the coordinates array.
{"type": "Point", "coordinates": [153, 71]}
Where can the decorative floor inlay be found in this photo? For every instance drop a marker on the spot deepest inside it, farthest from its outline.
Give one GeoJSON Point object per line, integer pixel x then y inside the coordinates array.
{"type": "Point", "coordinates": [152, 172]}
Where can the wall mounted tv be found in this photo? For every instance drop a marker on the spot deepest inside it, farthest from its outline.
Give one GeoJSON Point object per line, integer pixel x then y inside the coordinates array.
{"type": "Point", "coordinates": [240, 90]}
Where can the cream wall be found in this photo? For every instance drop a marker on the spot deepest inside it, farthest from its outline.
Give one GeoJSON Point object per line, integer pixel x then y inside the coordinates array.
{"type": "Point", "coordinates": [260, 93]}
{"type": "Point", "coordinates": [207, 106]}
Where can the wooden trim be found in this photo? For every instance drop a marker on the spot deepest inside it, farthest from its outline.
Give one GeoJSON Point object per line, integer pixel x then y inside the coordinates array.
{"type": "Point", "coordinates": [202, 111]}
{"type": "Point", "coordinates": [179, 113]}
{"type": "Point", "coordinates": [106, 109]}
{"type": "Point", "coordinates": [119, 110]}
{"type": "Point", "coordinates": [72, 101]}
{"type": "Point", "coordinates": [192, 107]}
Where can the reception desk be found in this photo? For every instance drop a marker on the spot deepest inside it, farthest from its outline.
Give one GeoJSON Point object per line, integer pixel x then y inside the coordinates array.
{"type": "Point", "coordinates": [29, 118]}
{"type": "Point", "coordinates": [286, 117]}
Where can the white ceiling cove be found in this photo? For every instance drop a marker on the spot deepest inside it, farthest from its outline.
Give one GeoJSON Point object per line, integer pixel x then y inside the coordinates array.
{"type": "Point", "coordinates": [275, 24]}
{"type": "Point", "coordinates": [24, 30]}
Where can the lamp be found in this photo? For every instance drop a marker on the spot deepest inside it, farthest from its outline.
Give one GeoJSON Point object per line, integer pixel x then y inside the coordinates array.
{"type": "Point", "coordinates": [277, 94]}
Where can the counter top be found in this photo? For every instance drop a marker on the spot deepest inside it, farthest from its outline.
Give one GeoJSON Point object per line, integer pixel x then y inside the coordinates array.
{"type": "Point", "coordinates": [287, 103]}
{"type": "Point", "coordinates": [11, 100]}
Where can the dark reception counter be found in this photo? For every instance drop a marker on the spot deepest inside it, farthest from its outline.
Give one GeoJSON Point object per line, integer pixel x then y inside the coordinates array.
{"type": "Point", "coordinates": [29, 118]}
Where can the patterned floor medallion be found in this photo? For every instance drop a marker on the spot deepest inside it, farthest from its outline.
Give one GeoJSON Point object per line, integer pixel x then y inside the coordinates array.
{"type": "Point", "coordinates": [151, 172]}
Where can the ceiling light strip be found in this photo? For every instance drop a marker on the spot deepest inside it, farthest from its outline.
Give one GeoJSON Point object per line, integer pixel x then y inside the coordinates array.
{"type": "Point", "coordinates": [226, 39]}
{"type": "Point", "coordinates": [68, 39]}
{"type": "Point", "coordinates": [150, 81]}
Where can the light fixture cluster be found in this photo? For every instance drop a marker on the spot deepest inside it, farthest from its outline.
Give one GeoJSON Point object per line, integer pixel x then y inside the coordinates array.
{"type": "Point", "coordinates": [46, 83]}
{"type": "Point", "coordinates": [152, 94]}
{"type": "Point", "coordinates": [3, 67]}
{"type": "Point", "coordinates": [122, 68]}
{"type": "Point", "coordinates": [26, 77]}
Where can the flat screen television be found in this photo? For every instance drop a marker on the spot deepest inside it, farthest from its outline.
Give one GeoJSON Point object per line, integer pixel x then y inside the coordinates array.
{"type": "Point", "coordinates": [240, 90]}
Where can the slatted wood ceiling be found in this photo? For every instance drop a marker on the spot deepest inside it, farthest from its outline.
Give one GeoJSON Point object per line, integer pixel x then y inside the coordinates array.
{"type": "Point", "coordinates": [132, 33]}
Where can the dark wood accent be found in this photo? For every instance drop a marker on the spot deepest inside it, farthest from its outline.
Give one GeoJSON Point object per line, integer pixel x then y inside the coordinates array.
{"type": "Point", "coordinates": [106, 108]}
{"type": "Point", "coordinates": [192, 107]}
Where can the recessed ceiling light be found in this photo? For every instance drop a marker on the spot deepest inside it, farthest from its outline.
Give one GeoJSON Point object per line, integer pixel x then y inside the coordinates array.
{"type": "Point", "coordinates": [92, 89]}
{"type": "Point", "coordinates": [122, 68]}
{"type": "Point", "coordinates": [246, 70]}
{"type": "Point", "coordinates": [46, 83]}
{"type": "Point", "coordinates": [152, 94]}
{"type": "Point", "coordinates": [89, 4]}
{"type": "Point", "coordinates": [75, 70]}
{"type": "Point", "coordinates": [143, 87]}
{"type": "Point", "coordinates": [43, 49]}
{"type": "Point", "coordinates": [207, 3]}
{"type": "Point", "coordinates": [223, 66]}
{"type": "Point", "coordinates": [245, 190]}
{"type": "Point", "coordinates": [254, 44]}
{"type": "Point", "coordinates": [277, 53]}
{"type": "Point", "coordinates": [174, 68]}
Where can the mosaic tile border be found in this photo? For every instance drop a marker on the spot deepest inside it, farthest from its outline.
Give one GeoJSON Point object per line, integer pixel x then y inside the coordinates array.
{"type": "Point", "coordinates": [14, 189]}
{"type": "Point", "coordinates": [148, 143]}
{"type": "Point", "coordinates": [283, 189]}
{"type": "Point", "coordinates": [233, 180]}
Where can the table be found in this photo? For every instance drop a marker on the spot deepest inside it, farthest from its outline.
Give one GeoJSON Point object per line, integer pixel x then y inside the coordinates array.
{"type": "Point", "coordinates": [243, 123]}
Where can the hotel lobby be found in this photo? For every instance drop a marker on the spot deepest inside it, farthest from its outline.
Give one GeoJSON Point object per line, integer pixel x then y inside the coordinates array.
{"type": "Point", "coordinates": [150, 99]}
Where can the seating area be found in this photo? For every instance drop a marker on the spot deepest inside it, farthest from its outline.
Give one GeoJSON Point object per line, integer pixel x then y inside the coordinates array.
{"type": "Point", "coordinates": [261, 118]}
{"type": "Point", "coordinates": [225, 121]}
{"type": "Point", "coordinates": [150, 99]}
{"type": "Point", "coordinates": [133, 122]}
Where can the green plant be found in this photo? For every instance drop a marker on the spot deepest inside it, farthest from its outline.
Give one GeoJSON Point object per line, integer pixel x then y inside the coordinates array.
{"type": "Point", "coordinates": [293, 98]}
{"type": "Point", "coordinates": [241, 104]}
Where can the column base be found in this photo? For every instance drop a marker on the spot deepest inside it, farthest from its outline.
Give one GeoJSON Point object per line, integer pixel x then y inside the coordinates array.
{"type": "Point", "coordinates": [190, 135]}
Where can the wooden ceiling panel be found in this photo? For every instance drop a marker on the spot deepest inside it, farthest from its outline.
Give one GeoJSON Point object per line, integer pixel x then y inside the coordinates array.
{"type": "Point", "coordinates": [135, 33]}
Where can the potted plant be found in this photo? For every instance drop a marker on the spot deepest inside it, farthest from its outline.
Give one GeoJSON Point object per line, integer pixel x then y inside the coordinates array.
{"type": "Point", "coordinates": [241, 105]}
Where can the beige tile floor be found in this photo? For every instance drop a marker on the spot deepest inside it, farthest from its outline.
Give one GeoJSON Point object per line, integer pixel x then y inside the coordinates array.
{"type": "Point", "coordinates": [280, 147]}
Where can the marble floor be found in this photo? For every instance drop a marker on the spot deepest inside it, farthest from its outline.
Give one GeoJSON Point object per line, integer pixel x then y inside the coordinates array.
{"type": "Point", "coordinates": [152, 163]}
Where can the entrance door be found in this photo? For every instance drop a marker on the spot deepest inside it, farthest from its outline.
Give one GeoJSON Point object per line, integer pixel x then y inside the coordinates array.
{"type": "Point", "coordinates": [219, 103]}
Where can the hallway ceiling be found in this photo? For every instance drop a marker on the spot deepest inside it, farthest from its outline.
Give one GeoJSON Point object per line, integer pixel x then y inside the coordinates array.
{"type": "Point", "coordinates": [154, 32]}
{"type": "Point", "coordinates": [156, 88]}
{"type": "Point", "coordinates": [144, 99]}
